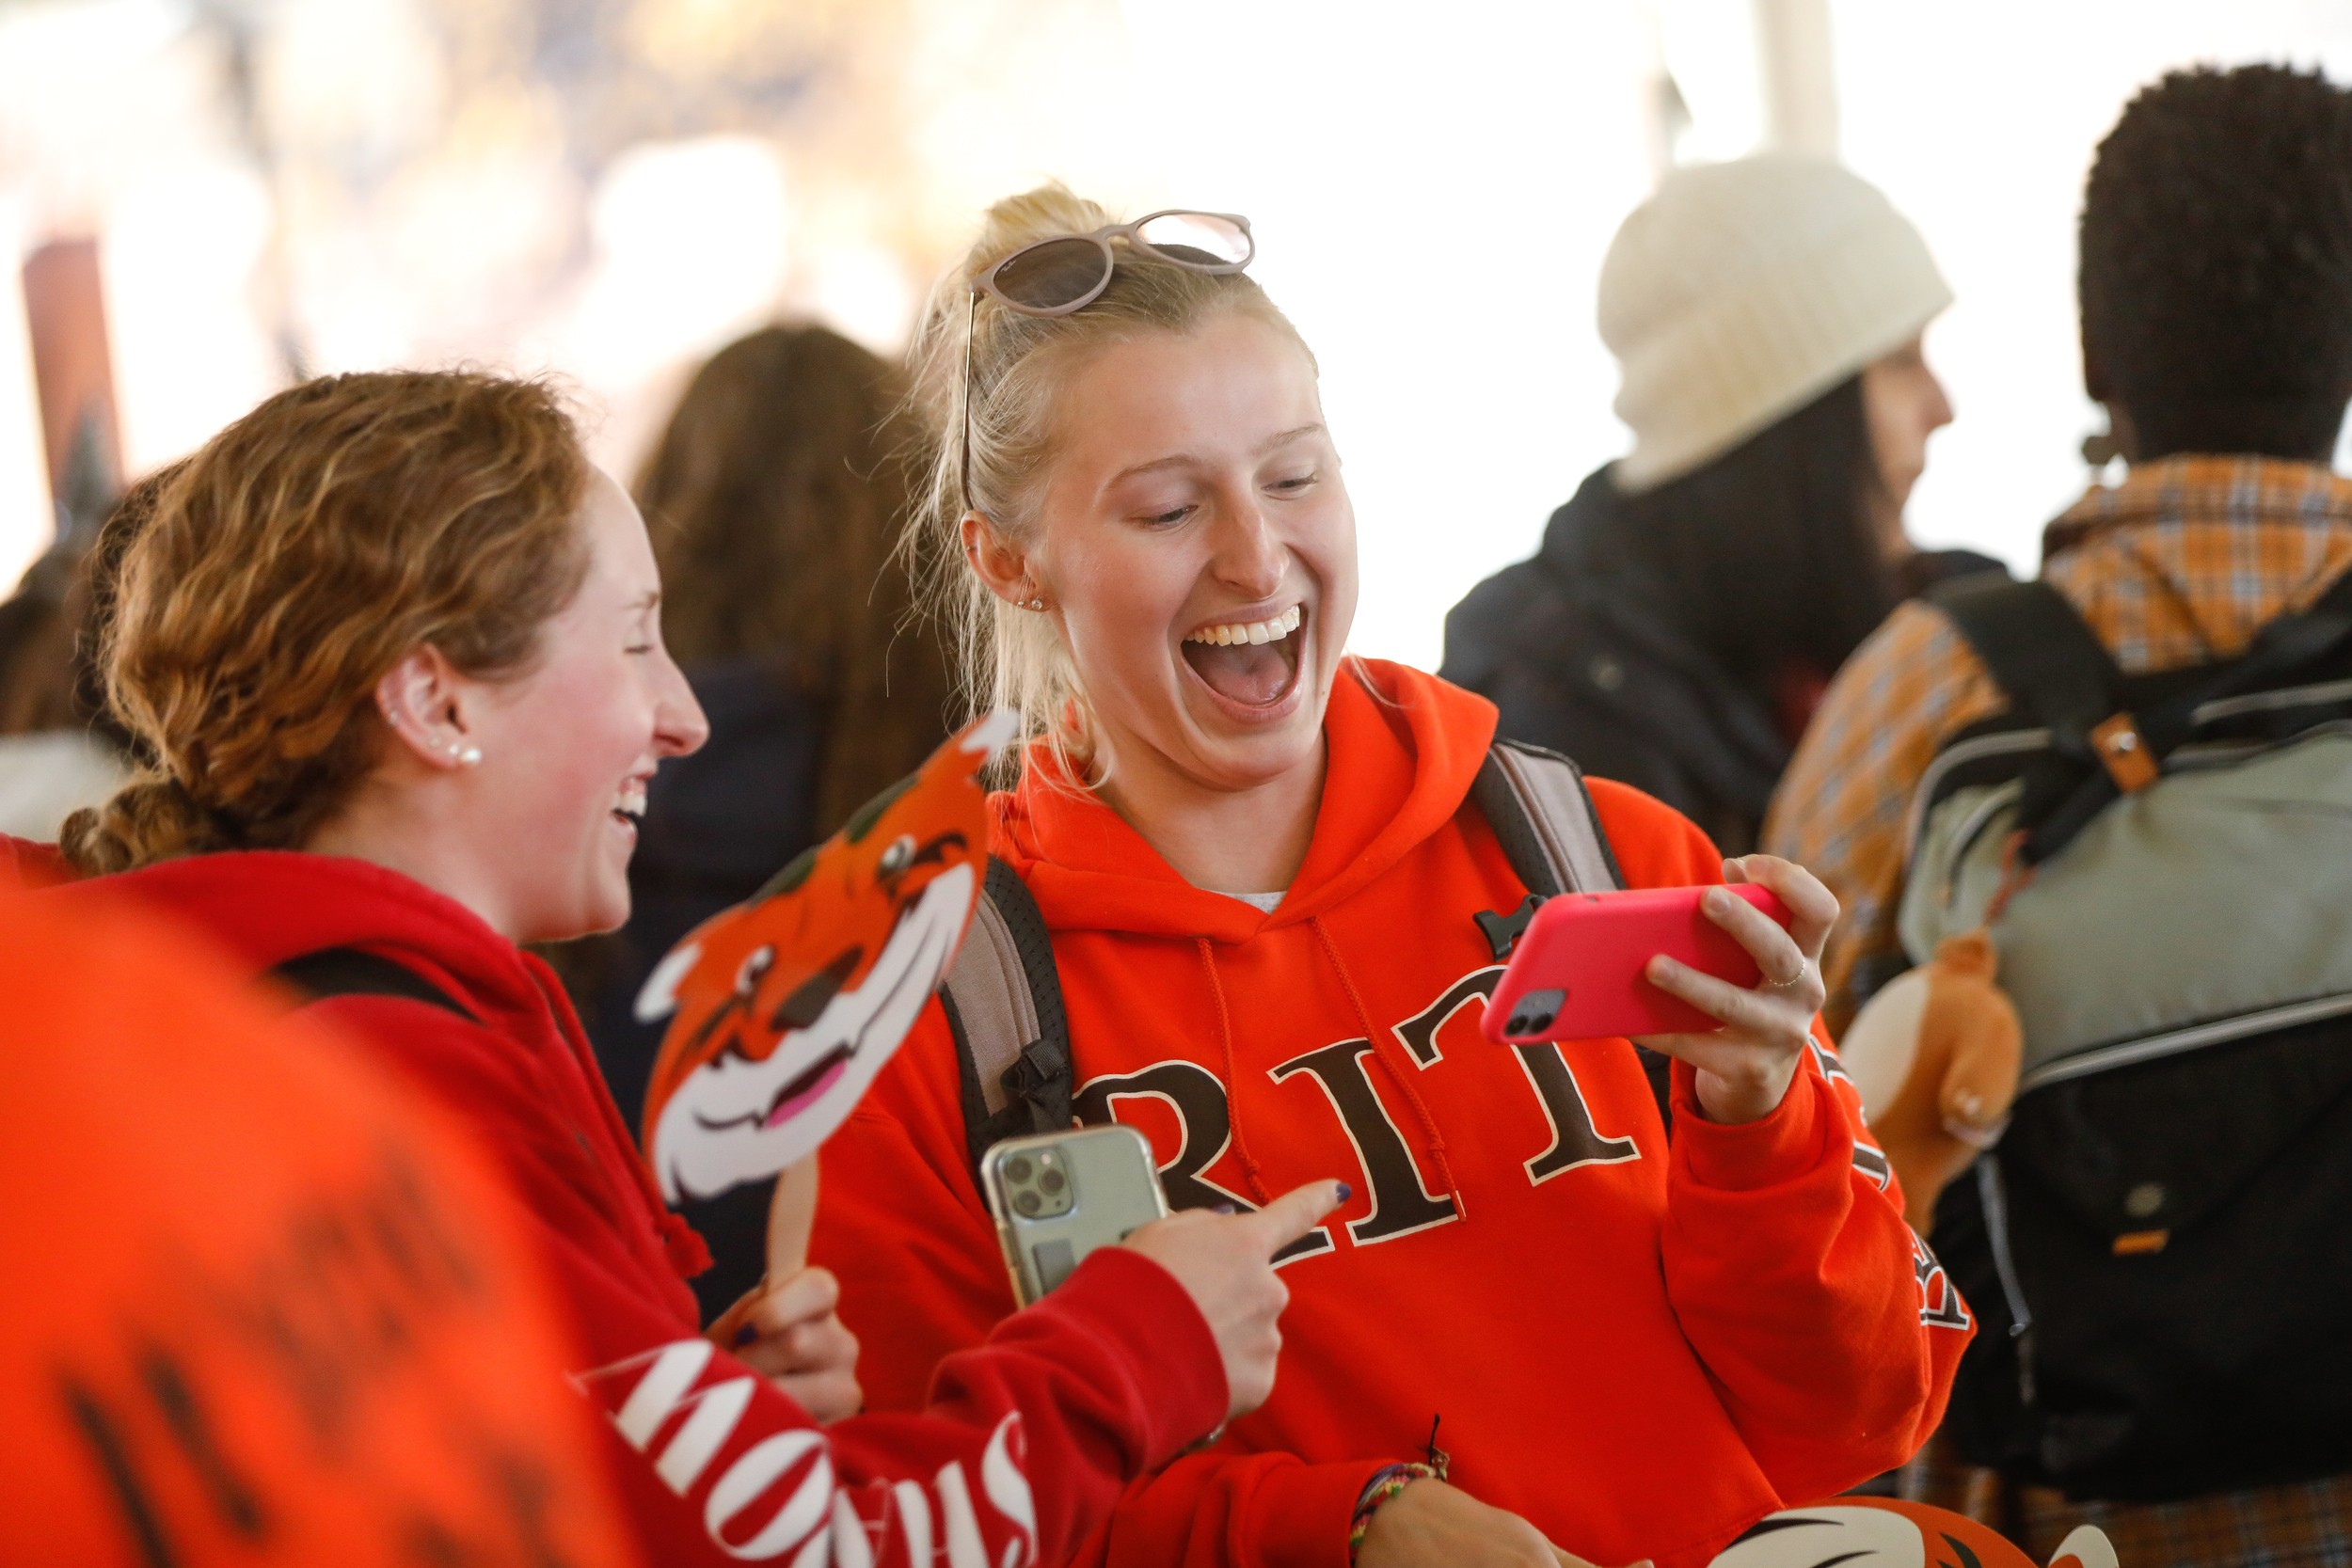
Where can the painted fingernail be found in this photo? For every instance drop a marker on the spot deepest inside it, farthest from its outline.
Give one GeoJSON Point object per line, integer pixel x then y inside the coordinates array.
{"type": "Point", "coordinates": [1228, 1208]}
{"type": "Point", "coordinates": [1346, 1192]}
{"type": "Point", "coordinates": [744, 1335]}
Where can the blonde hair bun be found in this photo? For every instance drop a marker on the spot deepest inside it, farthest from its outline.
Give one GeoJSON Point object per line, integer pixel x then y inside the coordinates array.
{"type": "Point", "coordinates": [1050, 212]}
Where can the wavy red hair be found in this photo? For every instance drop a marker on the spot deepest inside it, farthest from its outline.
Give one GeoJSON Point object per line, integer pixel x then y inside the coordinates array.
{"type": "Point", "coordinates": [291, 562]}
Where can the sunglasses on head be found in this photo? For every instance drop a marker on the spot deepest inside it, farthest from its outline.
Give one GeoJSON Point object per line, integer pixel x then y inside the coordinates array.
{"type": "Point", "coordinates": [1066, 273]}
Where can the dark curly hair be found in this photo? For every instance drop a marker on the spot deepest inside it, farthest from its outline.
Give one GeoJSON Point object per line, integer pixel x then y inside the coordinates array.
{"type": "Point", "coordinates": [2217, 263]}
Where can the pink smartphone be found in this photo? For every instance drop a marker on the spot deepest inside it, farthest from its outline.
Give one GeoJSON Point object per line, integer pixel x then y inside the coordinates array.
{"type": "Point", "coordinates": [1576, 974]}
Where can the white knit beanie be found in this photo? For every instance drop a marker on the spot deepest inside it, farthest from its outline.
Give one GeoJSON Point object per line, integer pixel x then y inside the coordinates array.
{"type": "Point", "coordinates": [1741, 291]}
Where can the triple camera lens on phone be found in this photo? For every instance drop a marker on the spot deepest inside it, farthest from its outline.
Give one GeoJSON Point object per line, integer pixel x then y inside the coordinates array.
{"type": "Point", "coordinates": [1038, 1186]}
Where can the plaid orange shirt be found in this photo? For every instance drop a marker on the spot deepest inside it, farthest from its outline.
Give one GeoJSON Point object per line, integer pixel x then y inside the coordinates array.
{"type": "Point", "coordinates": [2180, 564]}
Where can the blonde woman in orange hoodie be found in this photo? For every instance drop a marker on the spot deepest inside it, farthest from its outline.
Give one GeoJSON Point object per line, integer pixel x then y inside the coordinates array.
{"type": "Point", "coordinates": [1259, 868]}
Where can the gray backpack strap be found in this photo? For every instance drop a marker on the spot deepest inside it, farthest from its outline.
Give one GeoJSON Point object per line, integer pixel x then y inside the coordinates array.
{"type": "Point", "coordinates": [1543, 816]}
{"type": "Point", "coordinates": [1003, 1001]}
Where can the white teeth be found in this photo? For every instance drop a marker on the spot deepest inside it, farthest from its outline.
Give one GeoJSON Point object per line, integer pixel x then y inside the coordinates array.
{"type": "Point", "coordinates": [1251, 631]}
{"type": "Point", "coordinates": [630, 801]}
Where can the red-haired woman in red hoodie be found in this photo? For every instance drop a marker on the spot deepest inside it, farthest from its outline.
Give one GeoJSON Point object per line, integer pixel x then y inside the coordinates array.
{"type": "Point", "coordinates": [1259, 869]}
{"type": "Point", "coordinates": [395, 647]}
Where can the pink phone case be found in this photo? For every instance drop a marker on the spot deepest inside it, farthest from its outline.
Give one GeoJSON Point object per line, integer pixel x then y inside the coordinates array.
{"type": "Point", "coordinates": [1576, 974]}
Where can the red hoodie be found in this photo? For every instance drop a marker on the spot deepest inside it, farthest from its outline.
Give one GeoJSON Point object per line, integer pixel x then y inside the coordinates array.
{"type": "Point", "coordinates": [1643, 1346]}
{"type": "Point", "coordinates": [1021, 1445]}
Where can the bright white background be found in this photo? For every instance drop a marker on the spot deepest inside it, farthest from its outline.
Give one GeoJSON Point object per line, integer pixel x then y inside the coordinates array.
{"type": "Point", "coordinates": [1433, 188]}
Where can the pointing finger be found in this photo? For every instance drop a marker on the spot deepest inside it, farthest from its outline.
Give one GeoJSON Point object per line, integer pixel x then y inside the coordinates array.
{"type": "Point", "coordinates": [1296, 1212]}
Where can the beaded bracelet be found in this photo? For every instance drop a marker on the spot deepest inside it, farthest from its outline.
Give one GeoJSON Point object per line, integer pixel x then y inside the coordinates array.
{"type": "Point", "coordinates": [1380, 1489]}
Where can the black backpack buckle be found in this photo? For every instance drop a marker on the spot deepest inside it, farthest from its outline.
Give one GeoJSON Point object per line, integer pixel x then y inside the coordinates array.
{"type": "Point", "coordinates": [1502, 931]}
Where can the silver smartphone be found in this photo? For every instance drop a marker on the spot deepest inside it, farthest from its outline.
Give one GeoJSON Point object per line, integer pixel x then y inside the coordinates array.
{"type": "Point", "coordinates": [1059, 1196]}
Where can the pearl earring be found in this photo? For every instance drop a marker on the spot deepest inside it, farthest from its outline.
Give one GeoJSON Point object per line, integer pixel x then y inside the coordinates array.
{"type": "Point", "coordinates": [467, 755]}
{"type": "Point", "coordinates": [1036, 604]}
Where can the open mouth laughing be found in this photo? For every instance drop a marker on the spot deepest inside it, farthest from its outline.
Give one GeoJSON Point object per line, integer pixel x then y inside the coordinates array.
{"type": "Point", "coordinates": [1253, 664]}
{"type": "Point", "coordinates": [629, 803]}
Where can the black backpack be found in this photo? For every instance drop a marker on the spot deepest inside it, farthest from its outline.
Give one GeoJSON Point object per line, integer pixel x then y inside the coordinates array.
{"type": "Point", "coordinates": [2160, 1246]}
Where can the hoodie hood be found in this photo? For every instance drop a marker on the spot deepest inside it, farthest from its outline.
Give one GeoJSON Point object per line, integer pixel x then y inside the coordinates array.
{"type": "Point", "coordinates": [1403, 748]}
{"type": "Point", "coordinates": [267, 906]}
{"type": "Point", "coordinates": [521, 1070]}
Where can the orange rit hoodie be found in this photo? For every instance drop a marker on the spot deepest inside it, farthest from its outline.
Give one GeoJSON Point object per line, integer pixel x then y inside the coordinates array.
{"type": "Point", "coordinates": [1641, 1344]}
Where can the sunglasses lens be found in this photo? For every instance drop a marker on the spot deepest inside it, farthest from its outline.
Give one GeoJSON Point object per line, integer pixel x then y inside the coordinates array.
{"type": "Point", "coordinates": [1201, 238]}
{"type": "Point", "coordinates": [1049, 276]}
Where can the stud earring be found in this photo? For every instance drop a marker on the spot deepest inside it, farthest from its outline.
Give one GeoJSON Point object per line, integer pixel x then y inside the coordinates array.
{"type": "Point", "coordinates": [467, 755]}
{"type": "Point", "coordinates": [1036, 604]}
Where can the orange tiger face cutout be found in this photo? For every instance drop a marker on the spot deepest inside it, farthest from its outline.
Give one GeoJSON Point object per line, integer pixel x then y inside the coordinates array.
{"type": "Point", "coordinates": [1881, 1532]}
{"type": "Point", "coordinates": [784, 1008]}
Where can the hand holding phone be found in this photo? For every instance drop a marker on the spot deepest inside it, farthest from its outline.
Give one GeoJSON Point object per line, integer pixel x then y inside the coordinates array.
{"type": "Point", "coordinates": [1060, 1196]}
{"type": "Point", "coordinates": [1578, 970]}
{"type": "Point", "coordinates": [1739, 1014]}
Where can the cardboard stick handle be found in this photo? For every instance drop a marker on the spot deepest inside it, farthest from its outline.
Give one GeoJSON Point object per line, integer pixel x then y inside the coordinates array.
{"type": "Point", "coordinates": [791, 1216]}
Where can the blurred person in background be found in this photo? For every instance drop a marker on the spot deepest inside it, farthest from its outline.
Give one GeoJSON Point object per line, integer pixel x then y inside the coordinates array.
{"type": "Point", "coordinates": [773, 499]}
{"type": "Point", "coordinates": [1689, 604]}
{"type": "Point", "coordinates": [265, 1306]}
{"type": "Point", "coordinates": [393, 647]}
{"type": "Point", "coordinates": [2216, 295]}
{"type": "Point", "coordinates": [1259, 871]}
{"type": "Point", "coordinates": [59, 750]}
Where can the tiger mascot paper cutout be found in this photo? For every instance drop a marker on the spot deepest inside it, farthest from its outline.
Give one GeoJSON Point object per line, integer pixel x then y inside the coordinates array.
{"type": "Point", "coordinates": [1879, 1532]}
{"type": "Point", "coordinates": [783, 1008]}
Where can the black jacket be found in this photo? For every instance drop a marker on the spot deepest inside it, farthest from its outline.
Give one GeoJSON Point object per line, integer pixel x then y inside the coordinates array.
{"type": "Point", "coordinates": [1583, 654]}
{"type": "Point", "coordinates": [1586, 653]}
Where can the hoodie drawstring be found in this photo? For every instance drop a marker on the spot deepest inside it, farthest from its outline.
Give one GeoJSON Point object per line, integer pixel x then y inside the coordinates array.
{"type": "Point", "coordinates": [1232, 1098]}
{"type": "Point", "coordinates": [1381, 1049]}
